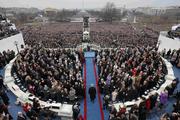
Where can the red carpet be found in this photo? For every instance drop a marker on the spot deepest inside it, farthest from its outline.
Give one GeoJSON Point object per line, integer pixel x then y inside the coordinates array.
{"type": "Point", "coordinates": [85, 101]}
{"type": "Point", "coordinates": [98, 92]}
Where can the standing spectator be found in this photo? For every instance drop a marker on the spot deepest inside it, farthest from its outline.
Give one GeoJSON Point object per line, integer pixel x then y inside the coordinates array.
{"type": "Point", "coordinates": [72, 94]}
{"type": "Point", "coordinates": [21, 116]}
{"type": "Point", "coordinates": [106, 100]}
{"type": "Point", "coordinates": [163, 98]}
{"type": "Point", "coordinates": [1, 82]}
{"type": "Point", "coordinates": [76, 110]}
{"type": "Point", "coordinates": [112, 113]}
{"type": "Point", "coordinates": [36, 106]}
{"type": "Point", "coordinates": [114, 95]}
{"type": "Point", "coordinates": [142, 110]}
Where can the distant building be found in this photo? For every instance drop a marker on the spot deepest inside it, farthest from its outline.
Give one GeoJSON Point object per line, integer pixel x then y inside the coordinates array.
{"type": "Point", "coordinates": [151, 10]}
{"type": "Point", "coordinates": [171, 10]}
{"type": "Point", "coordinates": [41, 18]}
{"type": "Point", "coordinates": [50, 11]}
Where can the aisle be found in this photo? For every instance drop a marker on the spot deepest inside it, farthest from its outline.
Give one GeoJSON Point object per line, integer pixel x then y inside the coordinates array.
{"type": "Point", "coordinates": [106, 112]}
{"type": "Point", "coordinates": [91, 111]}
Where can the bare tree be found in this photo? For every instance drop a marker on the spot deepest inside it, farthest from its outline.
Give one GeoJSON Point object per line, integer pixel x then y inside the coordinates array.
{"type": "Point", "coordinates": [22, 17]}
{"type": "Point", "coordinates": [109, 12]}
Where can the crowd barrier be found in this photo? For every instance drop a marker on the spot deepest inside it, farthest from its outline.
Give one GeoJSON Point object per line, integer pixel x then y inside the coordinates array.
{"type": "Point", "coordinates": [64, 110]}
{"type": "Point", "coordinates": [168, 80]}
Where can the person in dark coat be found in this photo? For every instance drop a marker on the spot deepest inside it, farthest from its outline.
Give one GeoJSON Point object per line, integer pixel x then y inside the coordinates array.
{"type": "Point", "coordinates": [92, 92]}
{"type": "Point", "coordinates": [76, 110]}
{"type": "Point", "coordinates": [1, 81]}
{"type": "Point", "coordinates": [142, 110]}
{"type": "Point", "coordinates": [21, 116]}
{"type": "Point", "coordinates": [4, 97]}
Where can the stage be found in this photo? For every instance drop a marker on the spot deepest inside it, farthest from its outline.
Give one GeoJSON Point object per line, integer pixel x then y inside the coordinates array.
{"type": "Point", "coordinates": [167, 43]}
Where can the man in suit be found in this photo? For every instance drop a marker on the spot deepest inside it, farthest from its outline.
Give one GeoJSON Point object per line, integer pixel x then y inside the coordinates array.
{"type": "Point", "coordinates": [92, 93]}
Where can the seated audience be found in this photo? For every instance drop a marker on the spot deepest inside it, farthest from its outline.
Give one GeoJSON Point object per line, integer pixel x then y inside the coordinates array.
{"type": "Point", "coordinates": [126, 74]}
{"type": "Point", "coordinates": [54, 75]}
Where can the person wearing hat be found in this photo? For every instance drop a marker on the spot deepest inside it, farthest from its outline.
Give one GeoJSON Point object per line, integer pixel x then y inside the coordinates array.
{"type": "Point", "coordinates": [21, 116]}
{"type": "Point", "coordinates": [76, 110]}
{"type": "Point", "coordinates": [92, 93]}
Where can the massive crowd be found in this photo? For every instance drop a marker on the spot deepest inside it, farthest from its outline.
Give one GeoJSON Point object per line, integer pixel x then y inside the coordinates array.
{"type": "Point", "coordinates": [125, 73]}
{"type": "Point", "coordinates": [6, 28]}
{"type": "Point", "coordinates": [122, 34]}
{"type": "Point", "coordinates": [107, 35]}
{"type": "Point", "coordinates": [51, 74]}
{"type": "Point", "coordinates": [64, 35]}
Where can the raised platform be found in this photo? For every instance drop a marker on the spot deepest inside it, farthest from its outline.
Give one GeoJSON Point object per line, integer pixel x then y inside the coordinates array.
{"type": "Point", "coordinates": [167, 43]}
{"type": "Point", "coordinates": [9, 43]}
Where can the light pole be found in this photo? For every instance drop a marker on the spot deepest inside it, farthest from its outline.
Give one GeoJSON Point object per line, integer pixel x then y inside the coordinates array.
{"type": "Point", "coordinates": [16, 44]}
{"type": "Point", "coordinates": [158, 44]}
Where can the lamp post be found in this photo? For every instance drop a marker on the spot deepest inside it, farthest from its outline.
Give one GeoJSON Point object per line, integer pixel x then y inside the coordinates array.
{"type": "Point", "coordinates": [16, 44]}
{"type": "Point", "coordinates": [158, 44]}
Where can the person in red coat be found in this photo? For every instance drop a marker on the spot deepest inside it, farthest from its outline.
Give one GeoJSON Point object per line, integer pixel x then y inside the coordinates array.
{"type": "Point", "coordinates": [26, 107]}
{"type": "Point", "coordinates": [148, 104]}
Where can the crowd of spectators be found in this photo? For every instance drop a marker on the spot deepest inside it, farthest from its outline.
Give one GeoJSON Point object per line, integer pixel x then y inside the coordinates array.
{"type": "Point", "coordinates": [175, 115]}
{"type": "Point", "coordinates": [155, 102]}
{"type": "Point", "coordinates": [4, 102]}
{"type": "Point", "coordinates": [129, 73]}
{"type": "Point", "coordinates": [6, 28]}
{"type": "Point", "coordinates": [6, 57]}
{"type": "Point", "coordinates": [35, 111]}
{"type": "Point", "coordinates": [54, 75]}
{"type": "Point", "coordinates": [122, 34]}
{"type": "Point", "coordinates": [172, 55]}
{"type": "Point", "coordinates": [64, 35]}
{"type": "Point", "coordinates": [125, 74]}
{"type": "Point", "coordinates": [107, 35]}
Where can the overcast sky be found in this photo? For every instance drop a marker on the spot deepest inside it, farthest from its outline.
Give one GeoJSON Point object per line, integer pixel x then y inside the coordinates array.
{"type": "Point", "coordinates": [59, 4]}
